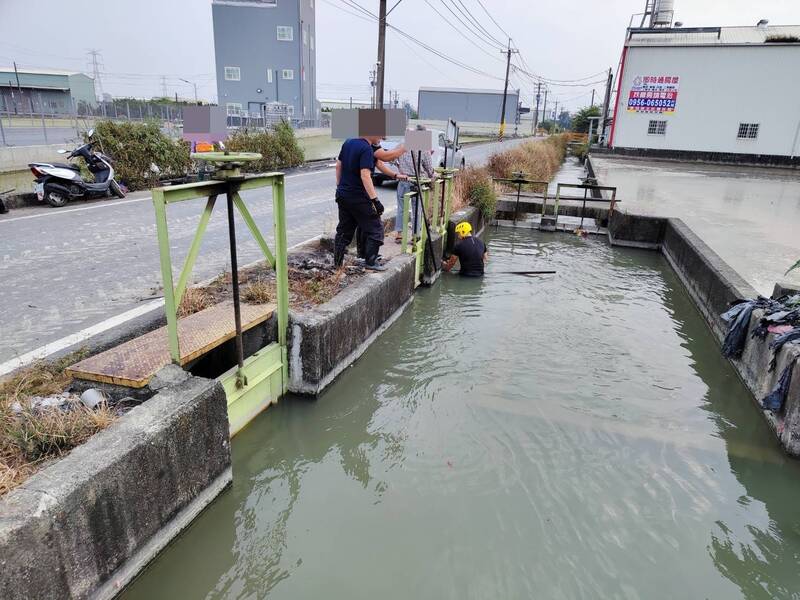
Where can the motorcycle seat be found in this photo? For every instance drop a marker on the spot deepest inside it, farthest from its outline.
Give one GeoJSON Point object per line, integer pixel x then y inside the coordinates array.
{"type": "Point", "coordinates": [66, 166]}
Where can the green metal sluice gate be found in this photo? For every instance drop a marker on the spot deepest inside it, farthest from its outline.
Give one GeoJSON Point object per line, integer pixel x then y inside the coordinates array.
{"type": "Point", "coordinates": [260, 379]}
{"type": "Point", "coordinates": [256, 381]}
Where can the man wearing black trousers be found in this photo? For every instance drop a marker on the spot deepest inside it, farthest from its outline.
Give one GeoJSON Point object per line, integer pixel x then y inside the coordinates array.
{"type": "Point", "coordinates": [357, 200]}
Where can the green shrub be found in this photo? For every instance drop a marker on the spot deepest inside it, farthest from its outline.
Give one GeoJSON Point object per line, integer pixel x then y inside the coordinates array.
{"type": "Point", "coordinates": [279, 149]}
{"type": "Point", "coordinates": [135, 146]}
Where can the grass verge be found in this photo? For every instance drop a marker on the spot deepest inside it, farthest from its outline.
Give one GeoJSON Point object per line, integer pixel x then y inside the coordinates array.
{"type": "Point", "coordinates": [31, 435]}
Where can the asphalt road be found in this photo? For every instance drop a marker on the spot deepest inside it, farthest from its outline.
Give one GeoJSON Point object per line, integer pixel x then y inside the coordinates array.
{"type": "Point", "coordinates": [65, 270]}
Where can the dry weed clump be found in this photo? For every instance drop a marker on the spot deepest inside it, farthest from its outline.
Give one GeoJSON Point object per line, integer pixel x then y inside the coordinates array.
{"type": "Point", "coordinates": [259, 291]}
{"type": "Point", "coordinates": [194, 300]}
{"type": "Point", "coordinates": [317, 290]}
{"type": "Point", "coordinates": [538, 160]}
{"type": "Point", "coordinates": [31, 435]}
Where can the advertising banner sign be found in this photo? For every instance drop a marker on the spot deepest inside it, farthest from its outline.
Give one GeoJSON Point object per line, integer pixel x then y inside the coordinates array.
{"type": "Point", "coordinates": [654, 94]}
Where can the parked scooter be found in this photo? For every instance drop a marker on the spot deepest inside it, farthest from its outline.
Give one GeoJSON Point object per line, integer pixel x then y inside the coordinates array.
{"type": "Point", "coordinates": [57, 183]}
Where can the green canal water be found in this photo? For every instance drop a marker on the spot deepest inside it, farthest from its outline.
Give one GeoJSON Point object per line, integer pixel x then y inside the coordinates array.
{"type": "Point", "coordinates": [567, 436]}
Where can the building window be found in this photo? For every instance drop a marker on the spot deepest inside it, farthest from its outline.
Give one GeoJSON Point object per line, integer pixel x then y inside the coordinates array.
{"type": "Point", "coordinates": [269, 75]}
{"type": "Point", "coordinates": [748, 131]}
{"type": "Point", "coordinates": [233, 74]}
{"type": "Point", "coordinates": [234, 108]}
{"type": "Point", "coordinates": [287, 74]}
{"type": "Point", "coordinates": [657, 128]}
{"type": "Point", "coordinates": [290, 110]}
{"type": "Point", "coordinates": [285, 33]}
{"type": "Point", "coordinates": [312, 42]}
{"type": "Point", "coordinates": [305, 37]}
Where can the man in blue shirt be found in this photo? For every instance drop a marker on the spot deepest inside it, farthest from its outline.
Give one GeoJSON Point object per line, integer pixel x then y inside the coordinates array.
{"type": "Point", "coordinates": [357, 199]}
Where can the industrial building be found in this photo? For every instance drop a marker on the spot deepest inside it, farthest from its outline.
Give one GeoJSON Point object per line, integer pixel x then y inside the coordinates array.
{"type": "Point", "coordinates": [466, 105]}
{"type": "Point", "coordinates": [714, 92]}
{"type": "Point", "coordinates": [265, 53]}
{"type": "Point", "coordinates": [24, 90]}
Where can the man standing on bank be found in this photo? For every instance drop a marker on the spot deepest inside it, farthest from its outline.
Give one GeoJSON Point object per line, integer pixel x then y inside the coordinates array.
{"type": "Point", "coordinates": [358, 202]}
{"type": "Point", "coordinates": [469, 251]}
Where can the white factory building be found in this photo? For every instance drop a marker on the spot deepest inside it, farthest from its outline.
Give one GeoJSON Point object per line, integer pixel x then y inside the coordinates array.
{"type": "Point", "coordinates": [730, 93]}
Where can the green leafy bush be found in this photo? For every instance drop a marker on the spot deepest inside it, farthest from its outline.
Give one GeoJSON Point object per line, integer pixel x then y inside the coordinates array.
{"type": "Point", "coordinates": [279, 149]}
{"type": "Point", "coordinates": [474, 187]}
{"type": "Point", "coordinates": [135, 146]}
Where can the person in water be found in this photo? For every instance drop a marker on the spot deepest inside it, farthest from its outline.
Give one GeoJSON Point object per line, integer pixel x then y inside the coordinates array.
{"type": "Point", "coordinates": [469, 251]}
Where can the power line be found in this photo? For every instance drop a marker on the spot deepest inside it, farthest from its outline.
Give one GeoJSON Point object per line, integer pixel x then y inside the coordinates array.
{"type": "Point", "coordinates": [442, 55]}
{"type": "Point", "coordinates": [461, 33]}
{"type": "Point", "coordinates": [466, 12]}
{"type": "Point", "coordinates": [493, 20]}
{"type": "Point", "coordinates": [471, 28]}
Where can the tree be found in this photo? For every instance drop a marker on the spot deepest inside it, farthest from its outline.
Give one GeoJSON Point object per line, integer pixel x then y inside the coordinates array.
{"type": "Point", "coordinates": [580, 122]}
{"type": "Point", "coordinates": [547, 125]}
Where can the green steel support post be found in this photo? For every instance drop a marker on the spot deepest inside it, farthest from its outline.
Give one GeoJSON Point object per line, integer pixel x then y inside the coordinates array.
{"type": "Point", "coordinates": [194, 249]}
{"type": "Point", "coordinates": [406, 205]}
{"type": "Point", "coordinates": [281, 271]}
{"type": "Point", "coordinates": [251, 225]}
{"type": "Point", "coordinates": [435, 183]}
{"type": "Point", "coordinates": [170, 307]}
{"type": "Point", "coordinates": [448, 203]}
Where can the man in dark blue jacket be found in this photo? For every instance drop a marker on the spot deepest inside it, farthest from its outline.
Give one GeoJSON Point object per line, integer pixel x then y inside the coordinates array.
{"type": "Point", "coordinates": [357, 200]}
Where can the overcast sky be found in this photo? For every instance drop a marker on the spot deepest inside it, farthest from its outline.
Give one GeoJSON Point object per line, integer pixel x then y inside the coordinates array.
{"type": "Point", "coordinates": [143, 40]}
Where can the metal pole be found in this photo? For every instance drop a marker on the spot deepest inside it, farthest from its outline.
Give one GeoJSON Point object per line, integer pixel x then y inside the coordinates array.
{"type": "Point", "coordinates": [505, 92]}
{"type": "Point", "coordinates": [606, 102]}
{"type": "Point", "coordinates": [281, 271]}
{"type": "Point", "coordinates": [592, 104]}
{"type": "Point", "coordinates": [381, 53]}
{"type": "Point", "coordinates": [536, 114]}
{"type": "Point", "coordinates": [544, 109]}
{"type": "Point", "coordinates": [237, 314]}
{"type": "Point", "coordinates": [2, 131]}
{"type": "Point", "coordinates": [41, 114]}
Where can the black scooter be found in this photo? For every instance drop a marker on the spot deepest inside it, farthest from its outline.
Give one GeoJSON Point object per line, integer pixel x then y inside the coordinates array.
{"type": "Point", "coordinates": [57, 183]}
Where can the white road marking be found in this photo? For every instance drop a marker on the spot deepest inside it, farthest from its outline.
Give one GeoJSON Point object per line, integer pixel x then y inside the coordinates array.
{"type": "Point", "coordinates": [120, 202]}
{"type": "Point", "coordinates": [83, 335]}
{"type": "Point", "coordinates": [75, 338]}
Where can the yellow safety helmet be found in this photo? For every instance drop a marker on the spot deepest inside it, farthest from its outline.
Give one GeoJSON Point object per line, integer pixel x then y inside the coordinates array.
{"type": "Point", "coordinates": [463, 228]}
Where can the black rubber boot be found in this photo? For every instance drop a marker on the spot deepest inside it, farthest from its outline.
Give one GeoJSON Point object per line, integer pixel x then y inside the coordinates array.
{"type": "Point", "coordinates": [371, 248]}
{"type": "Point", "coordinates": [338, 255]}
{"type": "Point", "coordinates": [361, 244]}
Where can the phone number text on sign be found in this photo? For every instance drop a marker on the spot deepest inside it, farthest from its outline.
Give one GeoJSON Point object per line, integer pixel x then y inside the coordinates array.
{"type": "Point", "coordinates": [654, 94]}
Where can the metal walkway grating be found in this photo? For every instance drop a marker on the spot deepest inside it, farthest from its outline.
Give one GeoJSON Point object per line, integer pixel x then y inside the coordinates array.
{"type": "Point", "coordinates": [133, 363]}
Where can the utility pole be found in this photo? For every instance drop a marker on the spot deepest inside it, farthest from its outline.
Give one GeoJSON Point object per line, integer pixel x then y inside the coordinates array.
{"type": "Point", "coordinates": [381, 53]}
{"type": "Point", "coordinates": [536, 114]}
{"type": "Point", "coordinates": [592, 98]}
{"type": "Point", "coordinates": [555, 115]}
{"type": "Point", "coordinates": [164, 93]}
{"type": "Point", "coordinates": [606, 102]}
{"type": "Point", "coordinates": [544, 110]}
{"type": "Point", "coordinates": [373, 80]}
{"type": "Point", "coordinates": [505, 90]}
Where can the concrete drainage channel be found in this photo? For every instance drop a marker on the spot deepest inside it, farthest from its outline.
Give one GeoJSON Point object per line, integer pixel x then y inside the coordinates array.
{"type": "Point", "coordinates": [86, 525]}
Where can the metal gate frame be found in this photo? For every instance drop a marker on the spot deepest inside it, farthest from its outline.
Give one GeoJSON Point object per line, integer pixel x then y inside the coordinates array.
{"type": "Point", "coordinates": [265, 375]}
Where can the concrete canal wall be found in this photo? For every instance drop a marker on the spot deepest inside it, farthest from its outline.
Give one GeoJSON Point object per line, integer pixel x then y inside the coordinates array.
{"type": "Point", "coordinates": [85, 525]}
{"type": "Point", "coordinates": [327, 339]}
{"type": "Point", "coordinates": [713, 285]}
